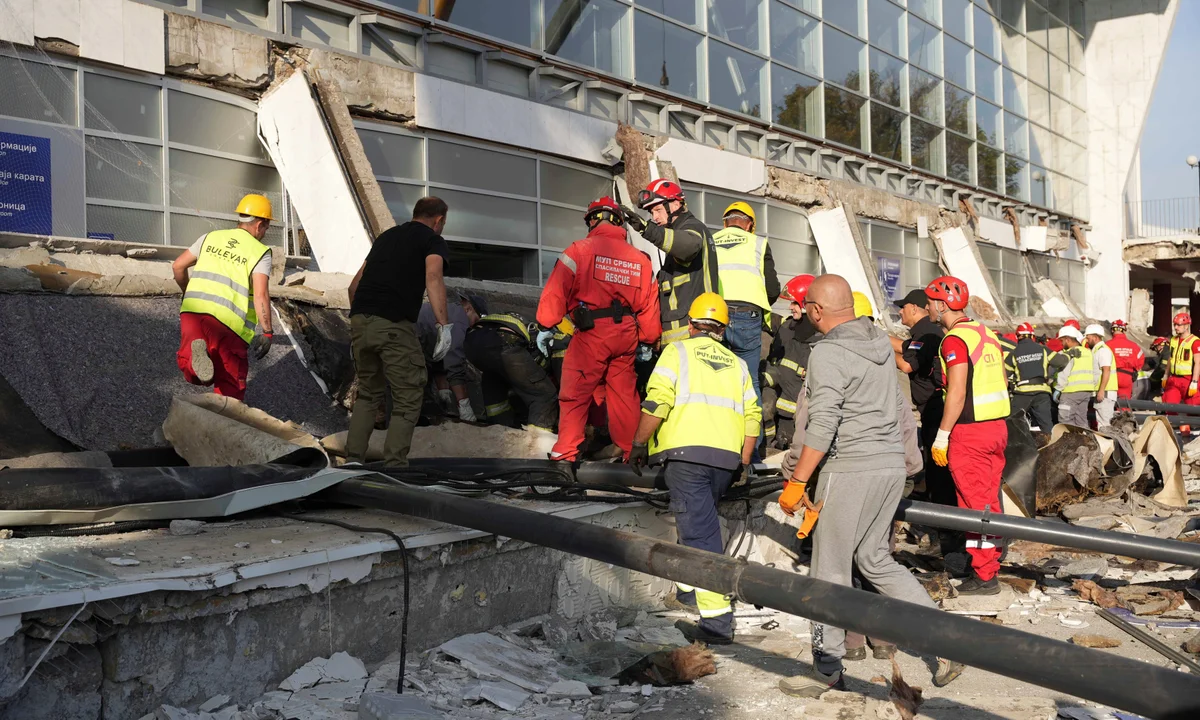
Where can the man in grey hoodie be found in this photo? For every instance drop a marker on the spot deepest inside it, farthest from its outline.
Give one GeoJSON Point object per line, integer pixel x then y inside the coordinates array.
{"type": "Point", "coordinates": [853, 429]}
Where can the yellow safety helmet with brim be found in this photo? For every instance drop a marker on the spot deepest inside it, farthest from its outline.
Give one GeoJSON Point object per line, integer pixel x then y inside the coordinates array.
{"type": "Point", "coordinates": [709, 306]}
{"type": "Point", "coordinates": [744, 209]}
{"type": "Point", "coordinates": [255, 205]}
{"type": "Point", "coordinates": [862, 305]}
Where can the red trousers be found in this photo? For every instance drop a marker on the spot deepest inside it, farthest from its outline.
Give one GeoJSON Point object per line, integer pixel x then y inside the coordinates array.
{"type": "Point", "coordinates": [1124, 386]}
{"type": "Point", "coordinates": [1176, 391]}
{"type": "Point", "coordinates": [976, 464]}
{"type": "Point", "coordinates": [226, 349]}
{"type": "Point", "coordinates": [600, 358]}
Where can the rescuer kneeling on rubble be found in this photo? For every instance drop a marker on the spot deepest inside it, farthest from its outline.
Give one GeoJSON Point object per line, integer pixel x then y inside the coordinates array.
{"type": "Point", "coordinates": [853, 435]}
{"type": "Point", "coordinates": [700, 417]}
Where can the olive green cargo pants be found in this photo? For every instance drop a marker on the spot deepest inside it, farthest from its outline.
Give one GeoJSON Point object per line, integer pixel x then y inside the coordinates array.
{"type": "Point", "coordinates": [386, 355]}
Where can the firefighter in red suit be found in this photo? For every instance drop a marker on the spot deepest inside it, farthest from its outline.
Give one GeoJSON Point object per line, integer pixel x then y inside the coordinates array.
{"type": "Point", "coordinates": [1182, 381]}
{"type": "Point", "coordinates": [1055, 344]}
{"type": "Point", "coordinates": [607, 288]}
{"type": "Point", "coordinates": [1130, 358]}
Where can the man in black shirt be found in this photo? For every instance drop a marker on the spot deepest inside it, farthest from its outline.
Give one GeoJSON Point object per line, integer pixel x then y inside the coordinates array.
{"type": "Point", "coordinates": [385, 301]}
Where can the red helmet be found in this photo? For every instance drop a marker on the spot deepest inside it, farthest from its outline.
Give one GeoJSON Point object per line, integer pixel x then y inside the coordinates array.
{"type": "Point", "coordinates": [1159, 342]}
{"type": "Point", "coordinates": [599, 207]}
{"type": "Point", "coordinates": [1025, 329]}
{"type": "Point", "coordinates": [949, 290]}
{"type": "Point", "coordinates": [797, 288]}
{"type": "Point", "coordinates": [659, 191]}
{"type": "Point", "coordinates": [1119, 326]}
{"type": "Point", "coordinates": [1182, 319]}
{"type": "Point", "coordinates": [1073, 323]}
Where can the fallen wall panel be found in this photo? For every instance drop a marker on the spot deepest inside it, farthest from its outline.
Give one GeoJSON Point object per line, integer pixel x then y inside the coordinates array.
{"type": "Point", "coordinates": [839, 252]}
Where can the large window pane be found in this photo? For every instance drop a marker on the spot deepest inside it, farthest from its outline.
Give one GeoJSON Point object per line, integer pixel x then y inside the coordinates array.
{"type": "Point", "coordinates": [488, 262]}
{"type": "Point", "coordinates": [958, 109]}
{"type": "Point", "coordinates": [118, 170]}
{"type": "Point", "coordinates": [735, 79]}
{"type": "Point", "coordinates": [1039, 145]}
{"type": "Point", "coordinates": [843, 59]}
{"type": "Point", "coordinates": [393, 155]}
{"type": "Point", "coordinates": [510, 20]}
{"type": "Point", "coordinates": [667, 55]}
{"type": "Point", "coordinates": [738, 21]}
{"type": "Point", "coordinates": [390, 46]}
{"type": "Point", "coordinates": [989, 167]}
{"type": "Point", "coordinates": [787, 225]}
{"type": "Point", "coordinates": [987, 78]}
{"type": "Point", "coordinates": [925, 95]}
{"type": "Point", "coordinates": [1012, 47]}
{"type": "Point", "coordinates": [247, 12]}
{"type": "Point", "coordinates": [794, 258]}
{"type": "Point", "coordinates": [1078, 88]}
{"type": "Point", "coordinates": [886, 78]}
{"type": "Point", "coordinates": [121, 106]}
{"type": "Point", "coordinates": [1016, 135]}
{"type": "Point", "coordinates": [958, 64]}
{"type": "Point", "coordinates": [1039, 104]}
{"type": "Point", "coordinates": [508, 78]}
{"type": "Point", "coordinates": [1075, 44]}
{"type": "Point", "coordinates": [1038, 66]}
{"type": "Point", "coordinates": [212, 124]}
{"type": "Point", "coordinates": [986, 33]}
{"type": "Point", "coordinates": [844, 14]}
{"type": "Point", "coordinates": [1016, 178]}
{"type": "Point", "coordinates": [1039, 180]}
{"type": "Point", "coordinates": [1016, 94]}
{"type": "Point", "coordinates": [401, 199]}
{"type": "Point", "coordinates": [571, 186]}
{"type": "Point", "coordinates": [474, 167]}
{"type": "Point", "coordinates": [1013, 13]}
{"type": "Point", "coordinates": [681, 10]}
{"type": "Point", "coordinates": [212, 184]}
{"type": "Point", "coordinates": [490, 218]}
{"type": "Point", "coordinates": [795, 38]}
{"type": "Point", "coordinates": [886, 23]}
{"type": "Point", "coordinates": [1060, 79]}
{"type": "Point", "coordinates": [187, 229]}
{"type": "Point", "coordinates": [321, 26]}
{"type": "Point", "coordinates": [956, 18]}
{"type": "Point", "coordinates": [926, 146]}
{"type": "Point", "coordinates": [926, 9]}
{"type": "Point", "coordinates": [795, 101]}
{"type": "Point", "coordinates": [987, 123]}
{"type": "Point", "coordinates": [596, 35]}
{"type": "Point", "coordinates": [561, 227]}
{"type": "Point", "coordinates": [715, 204]}
{"type": "Point", "coordinates": [958, 157]}
{"type": "Point", "coordinates": [843, 117]}
{"type": "Point", "coordinates": [1057, 34]}
{"type": "Point", "coordinates": [1036, 23]}
{"type": "Point", "coordinates": [34, 91]}
{"type": "Point", "coordinates": [887, 132]}
{"type": "Point", "coordinates": [924, 45]}
{"type": "Point", "coordinates": [125, 224]}
{"type": "Point", "coordinates": [452, 62]}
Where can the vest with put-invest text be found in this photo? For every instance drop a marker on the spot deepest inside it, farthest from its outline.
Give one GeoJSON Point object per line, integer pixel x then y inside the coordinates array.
{"type": "Point", "coordinates": [1082, 377]}
{"type": "Point", "coordinates": [704, 394]}
{"type": "Point", "coordinates": [741, 256]}
{"type": "Point", "coordinates": [1112, 370]}
{"type": "Point", "coordinates": [1029, 363]}
{"type": "Point", "coordinates": [220, 283]}
{"type": "Point", "coordinates": [1181, 356]}
{"type": "Point", "coordinates": [987, 384]}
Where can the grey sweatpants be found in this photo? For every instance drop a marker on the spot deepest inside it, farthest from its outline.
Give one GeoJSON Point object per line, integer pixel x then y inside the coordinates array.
{"type": "Point", "coordinates": [853, 529]}
{"type": "Point", "coordinates": [1105, 409]}
{"type": "Point", "coordinates": [1073, 408]}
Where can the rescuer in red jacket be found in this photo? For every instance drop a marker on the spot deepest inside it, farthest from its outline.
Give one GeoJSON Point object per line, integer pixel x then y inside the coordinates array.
{"type": "Point", "coordinates": [1130, 358]}
{"type": "Point", "coordinates": [607, 288]}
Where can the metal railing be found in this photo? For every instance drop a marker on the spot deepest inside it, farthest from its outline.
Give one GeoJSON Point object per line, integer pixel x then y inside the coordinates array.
{"type": "Point", "coordinates": [1162, 218]}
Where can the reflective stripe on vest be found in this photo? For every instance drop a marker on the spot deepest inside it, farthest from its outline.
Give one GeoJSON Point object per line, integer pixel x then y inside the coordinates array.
{"type": "Point", "coordinates": [786, 406]}
{"type": "Point", "coordinates": [1083, 373]}
{"type": "Point", "coordinates": [679, 287]}
{"type": "Point", "coordinates": [1112, 369]}
{"type": "Point", "coordinates": [791, 365]}
{"type": "Point", "coordinates": [1181, 356]}
{"type": "Point", "coordinates": [1030, 366]}
{"type": "Point", "coordinates": [987, 384]}
{"type": "Point", "coordinates": [740, 259]}
{"type": "Point", "coordinates": [219, 283]}
{"type": "Point", "coordinates": [498, 409]}
{"type": "Point", "coordinates": [512, 323]}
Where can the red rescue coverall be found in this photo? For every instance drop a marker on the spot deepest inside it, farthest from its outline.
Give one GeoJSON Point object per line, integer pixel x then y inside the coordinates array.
{"type": "Point", "coordinates": [1130, 360]}
{"type": "Point", "coordinates": [1175, 389]}
{"type": "Point", "coordinates": [594, 272]}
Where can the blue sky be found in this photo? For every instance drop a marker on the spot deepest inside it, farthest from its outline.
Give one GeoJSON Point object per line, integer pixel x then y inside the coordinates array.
{"type": "Point", "coordinates": [1173, 127]}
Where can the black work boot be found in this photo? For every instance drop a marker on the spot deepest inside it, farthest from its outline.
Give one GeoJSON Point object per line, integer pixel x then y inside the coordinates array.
{"type": "Point", "coordinates": [974, 585]}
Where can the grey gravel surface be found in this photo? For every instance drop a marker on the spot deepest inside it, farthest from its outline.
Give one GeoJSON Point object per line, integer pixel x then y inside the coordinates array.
{"type": "Point", "coordinates": [100, 371]}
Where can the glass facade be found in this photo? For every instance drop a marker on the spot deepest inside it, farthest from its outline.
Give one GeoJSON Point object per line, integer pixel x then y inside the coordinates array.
{"type": "Point", "coordinates": [903, 261]}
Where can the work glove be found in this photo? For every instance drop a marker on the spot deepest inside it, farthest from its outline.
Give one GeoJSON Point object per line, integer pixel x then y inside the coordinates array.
{"type": "Point", "coordinates": [637, 222]}
{"type": "Point", "coordinates": [465, 411]}
{"type": "Point", "coordinates": [743, 474]}
{"type": "Point", "coordinates": [261, 345]}
{"type": "Point", "coordinates": [792, 497]}
{"type": "Point", "coordinates": [941, 448]}
{"type": "Point", "coordinates": [645, 353]}
{"type": "Point", "coordinates": [446, 399]}
{"type": "Point", "coordinates": [1074, 352]}
{"type": "Point", "coordinates": [639, 457]}
{"type": "Point", "coordinates": [543, 341]}
{"type": "Point", "coordinates": [1193, 388]}
{"type": "Point", "coordinates": [442, 346]}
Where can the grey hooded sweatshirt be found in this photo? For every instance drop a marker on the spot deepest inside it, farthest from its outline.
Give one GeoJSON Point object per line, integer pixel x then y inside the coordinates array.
{"type": "Point", "coordinates": [854, 400]}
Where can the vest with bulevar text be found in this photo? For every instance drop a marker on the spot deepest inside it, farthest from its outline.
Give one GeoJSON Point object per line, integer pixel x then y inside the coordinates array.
{"type": "Point", "coordinates": [987, 383]}
{"type": "Point", "coordinates": [219, 284]}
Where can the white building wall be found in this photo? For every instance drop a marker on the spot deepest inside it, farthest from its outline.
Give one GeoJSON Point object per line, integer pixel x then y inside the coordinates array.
{"type": "Point", "coordinates": [1125, 49]}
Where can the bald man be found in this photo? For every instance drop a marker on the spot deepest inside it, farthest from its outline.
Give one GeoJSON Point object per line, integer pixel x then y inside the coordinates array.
{"type": "Point", "coordinates": [853, 436]}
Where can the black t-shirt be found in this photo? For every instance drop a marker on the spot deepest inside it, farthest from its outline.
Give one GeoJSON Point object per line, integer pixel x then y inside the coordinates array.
{"type": "Point", "coordinates": [921, 352]}
{"type": "Point", "coordinates": [393, 281]}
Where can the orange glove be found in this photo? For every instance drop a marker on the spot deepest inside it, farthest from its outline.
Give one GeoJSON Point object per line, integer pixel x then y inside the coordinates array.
{"type": "Point", "coordinates": [1193, 388]}
{"type": "Point", "coordinates": [792, 496]}
{"type": "Point", "coordinates": [941, 448]}
{"type": "Point", "coordinates": [809, 521]}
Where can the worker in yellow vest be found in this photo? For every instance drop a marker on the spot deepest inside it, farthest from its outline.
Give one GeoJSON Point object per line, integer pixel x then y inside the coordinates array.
{"type": "Point", "coordinates": [1076, 384]}
{"type": "Point", "coordinates": [1104, 365]}
{"type": "Point", "coordinates": [226, 309]}
{"type": "Point", "coordinates": [972, 436]}
{"type": "Point", "coordinates": [1182, 381]}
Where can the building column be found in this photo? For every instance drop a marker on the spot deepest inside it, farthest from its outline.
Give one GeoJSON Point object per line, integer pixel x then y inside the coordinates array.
{"type": "Point", "coordinates": [1194, 308]}
{"type": "Point", "coordinates": [1162, 309]}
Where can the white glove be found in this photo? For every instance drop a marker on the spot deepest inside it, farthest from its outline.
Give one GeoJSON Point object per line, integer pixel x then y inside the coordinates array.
{"type": "Point", "coordinates": [941, 447]}
{"type": "Point", "coordinates": [442, 346]}
{"type": "Point", "coordinates": [446, 399]}
{"type": "Point", "coordinates": [543, 341]}
{"type": "Point", "coordinates": [465, 411]}
{"type": "Point", "coordinates": [644, 353]}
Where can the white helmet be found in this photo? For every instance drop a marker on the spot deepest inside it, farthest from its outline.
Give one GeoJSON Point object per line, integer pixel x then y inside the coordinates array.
{"type": "Point", "coordinates": [1069, 332]}
{"type": "Point", "coordinates": [1095, 329]}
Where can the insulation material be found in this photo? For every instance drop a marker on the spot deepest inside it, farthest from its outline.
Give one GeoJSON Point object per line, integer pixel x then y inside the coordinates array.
{"type": "Point", "coordinates": [211, 431]}
{"type": "Point", "coordinates": [458, 440]}
{"type": "Point", "coordinates": [716, 168]}
{"type": "Point", "coordinates": [1055, 302]}
{"type": "Point", "coordinates": [1157, 439]}
{"type": "Point", "coordinates": [838, 250]}
{"type": "Point", "coordinates": [293, 130]}
{"type": "Point", "coordinates": [958, 254]}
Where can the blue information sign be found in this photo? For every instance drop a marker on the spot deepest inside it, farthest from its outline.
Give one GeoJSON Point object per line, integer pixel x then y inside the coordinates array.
{"type": "Point", "coordinates": [26, 193]}
{"type": "Point", "coordinates": [889, 275]}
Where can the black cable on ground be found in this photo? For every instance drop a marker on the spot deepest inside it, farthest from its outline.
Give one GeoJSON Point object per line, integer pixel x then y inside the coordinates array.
{"type": "Point", "coordinates": [90, 529]}
{"type": "Point", "coordinates": [403, 554]}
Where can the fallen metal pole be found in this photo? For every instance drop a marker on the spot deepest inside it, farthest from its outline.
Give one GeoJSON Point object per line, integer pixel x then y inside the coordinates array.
{"type": "Point", "coordinates": [1101, 677]}
{"type": "Point", "coordinates": [1159, 407]}
{"type": "Point", "coordinates": [1149, 640]}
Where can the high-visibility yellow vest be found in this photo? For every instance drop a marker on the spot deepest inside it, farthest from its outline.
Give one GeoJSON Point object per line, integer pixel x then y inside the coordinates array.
{"type": "Point", "coordinates": [705, 396]}
{"type": "Point", "coordinates": [987, 384]}
{"type": "Point", "coordinates": [741, 257]}
{"type": "Point", "coordinates": [1112, 369]}
{"type": "Point", "coordinates": [512, 323]}
{"type": "Point", "coordinates": [1181, 356]}
{"type": "Point", "coordinates": [220, 283]}
{"type": "Point", "coordinates": [1083, 373]}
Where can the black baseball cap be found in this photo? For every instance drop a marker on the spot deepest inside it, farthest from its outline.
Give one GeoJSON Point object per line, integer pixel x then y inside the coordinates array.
{"type": "Point", "coordinates": [914, 297]}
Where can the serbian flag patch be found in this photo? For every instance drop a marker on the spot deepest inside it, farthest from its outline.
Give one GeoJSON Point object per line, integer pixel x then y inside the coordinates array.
{"type": "Point", "coordinates": [915, 345]}
{"type": "Point", "coordinates": [951, 356]}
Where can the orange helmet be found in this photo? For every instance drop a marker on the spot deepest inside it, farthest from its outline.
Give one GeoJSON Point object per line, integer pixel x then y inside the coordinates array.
{"type": "Point", "coordinates": [949, 290]}
{"type": "Point", "coordinates": [1182, 319]}
{"type": "Point", "coordinates": [1025, 329]}
{"type": "Point", "coordinates": [659, 191]}
{"type": "Point", "coordinates": [1158, 344]}
{"type": "Point", "coordinates": [797, 288]}
{"type": "Point", "coordinates": [1073, 323]}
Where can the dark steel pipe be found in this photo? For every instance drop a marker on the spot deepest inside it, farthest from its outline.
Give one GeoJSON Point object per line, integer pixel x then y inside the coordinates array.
{"type": "Point", "coordinates": [1101, 677]}
{"type": "Point", "coordinates": [1149, 640]}
{"type": "Point", "coordinates": [1159, 407]}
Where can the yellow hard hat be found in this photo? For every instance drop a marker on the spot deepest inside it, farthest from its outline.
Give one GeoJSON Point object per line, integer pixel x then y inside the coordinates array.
{"type": "Point", "coordinates": [256, 206]}
{"type": "Point", "coordinates": [743, 208]}
{"type": "Point", "coordinates": [862, 305]}
{"type": "Point", "coordinates": [709, 306]}
{"type": "Point", "coordinates": [565, 326]}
